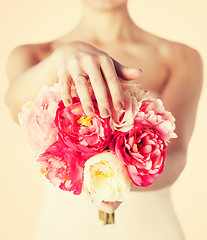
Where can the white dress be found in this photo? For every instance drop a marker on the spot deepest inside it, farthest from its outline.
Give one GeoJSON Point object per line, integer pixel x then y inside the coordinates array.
{"type": "Point", "coordinates": [143, 216]}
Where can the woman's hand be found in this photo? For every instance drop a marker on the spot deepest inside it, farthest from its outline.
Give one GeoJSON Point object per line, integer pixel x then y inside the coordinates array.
{"type": "Point", "coordinates": [100, 69]}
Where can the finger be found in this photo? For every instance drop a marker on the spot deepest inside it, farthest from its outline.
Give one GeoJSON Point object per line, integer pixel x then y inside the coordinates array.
{"type": "Point", "coordinates": [100, 89]}
{"type": "Point", "coordinates": [113, 83]}
{"type": "Point", "coordinates": [125, 72]}
{"type": "Point", "coordinates": [65, 85]}
{"type": "Point", "coordinates": [81, 85]}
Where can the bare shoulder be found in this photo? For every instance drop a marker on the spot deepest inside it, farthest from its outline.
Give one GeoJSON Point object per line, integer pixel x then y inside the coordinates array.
{"type": "Point", "coordinates": [179, 55]}
{"type": "Point", "coordinates": [184, 62]}
{"type": "Point", "coordinates": [24, 56]}
{"type": "Point", "coordinates": [174, 54]}
{"type": "Point", "coordinates": [32, 50]}
{"type": "Point", "coordinates": [186, 65]}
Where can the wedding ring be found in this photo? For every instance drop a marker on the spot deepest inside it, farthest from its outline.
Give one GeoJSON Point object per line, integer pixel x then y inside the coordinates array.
{"type": "Point", "coordinates": [78, 75]}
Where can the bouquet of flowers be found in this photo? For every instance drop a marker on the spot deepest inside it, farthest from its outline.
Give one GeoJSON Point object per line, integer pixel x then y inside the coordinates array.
{"type": "Point", "coordinates": [95, 155]}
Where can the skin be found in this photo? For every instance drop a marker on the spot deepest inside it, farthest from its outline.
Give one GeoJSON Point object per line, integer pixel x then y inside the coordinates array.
{"type": "Point", "coordinates": [171, 71]}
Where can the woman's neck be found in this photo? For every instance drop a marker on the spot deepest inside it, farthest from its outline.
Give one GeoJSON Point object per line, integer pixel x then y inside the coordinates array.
{"type": "Point", "coordinates": [106, 26]}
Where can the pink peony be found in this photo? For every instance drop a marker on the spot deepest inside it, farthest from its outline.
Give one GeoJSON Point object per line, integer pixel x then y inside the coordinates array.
{"type": "Point", "coordinates": [63, 167]}
{"type": "Point", "coordinates": [37, 118]}
{"type": "Point", "coordinates": [142, 150]}
{"type": "Point", "coordinates": [151, 111]}
{"type": "Point", "coordinates": [87, 134]}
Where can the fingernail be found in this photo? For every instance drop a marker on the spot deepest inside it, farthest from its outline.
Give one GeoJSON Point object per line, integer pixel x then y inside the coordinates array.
{"type": "Point", "coordinates": [119, 106]}
{"type": "Point", "coordinates": [105, 113]}
{"type": "Point", "coordinates": [140, 69]}
{"type": "Point", "coordinates": [89, 111]}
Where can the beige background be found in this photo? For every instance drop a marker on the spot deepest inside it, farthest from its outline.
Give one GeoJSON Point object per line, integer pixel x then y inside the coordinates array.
{"type": "Point", "coordinates": [31, 21]}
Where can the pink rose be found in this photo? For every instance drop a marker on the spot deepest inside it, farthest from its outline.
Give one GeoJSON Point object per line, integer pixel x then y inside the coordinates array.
{"type": "Point", "coordinates": [63, 167]}
{"type": "Point", "coordinates": [37, 118]}
{"type": "Point", "coordinates": [142, 150]}
{"type": "Point", "coordinates": [152, 112]}
{"type": "Point", "coordinates": [87, 134]}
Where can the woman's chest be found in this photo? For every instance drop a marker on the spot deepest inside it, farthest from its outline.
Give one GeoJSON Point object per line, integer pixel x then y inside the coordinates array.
{"type": "Point", "coordinates": [155, 71]}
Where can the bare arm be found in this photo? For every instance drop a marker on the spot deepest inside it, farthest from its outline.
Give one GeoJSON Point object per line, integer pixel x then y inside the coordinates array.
{"type": "Point", "coordinates": [180, 96]}
{"type": "Point", "coordinates": [26, 76]}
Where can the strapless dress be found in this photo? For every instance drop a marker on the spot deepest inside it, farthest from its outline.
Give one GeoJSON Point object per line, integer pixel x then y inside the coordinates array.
{"type": "Point", "coordinates": [147, 215]}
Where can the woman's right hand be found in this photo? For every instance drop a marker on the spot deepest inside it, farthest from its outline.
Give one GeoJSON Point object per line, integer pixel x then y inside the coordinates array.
{"type": "Point", "coordinates": [101, 70]}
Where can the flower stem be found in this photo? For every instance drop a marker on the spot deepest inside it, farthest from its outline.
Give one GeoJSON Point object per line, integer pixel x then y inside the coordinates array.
{"type": "Point", "coordinates": [106, 218]}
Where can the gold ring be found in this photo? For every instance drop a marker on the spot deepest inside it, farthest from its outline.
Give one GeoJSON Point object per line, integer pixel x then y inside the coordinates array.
{"type": "Point", "coordinates": [78, 75]}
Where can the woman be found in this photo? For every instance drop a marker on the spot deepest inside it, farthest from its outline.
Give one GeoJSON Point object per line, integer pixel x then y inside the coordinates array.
{"type": "Point", "coordinates": [170, 70]}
